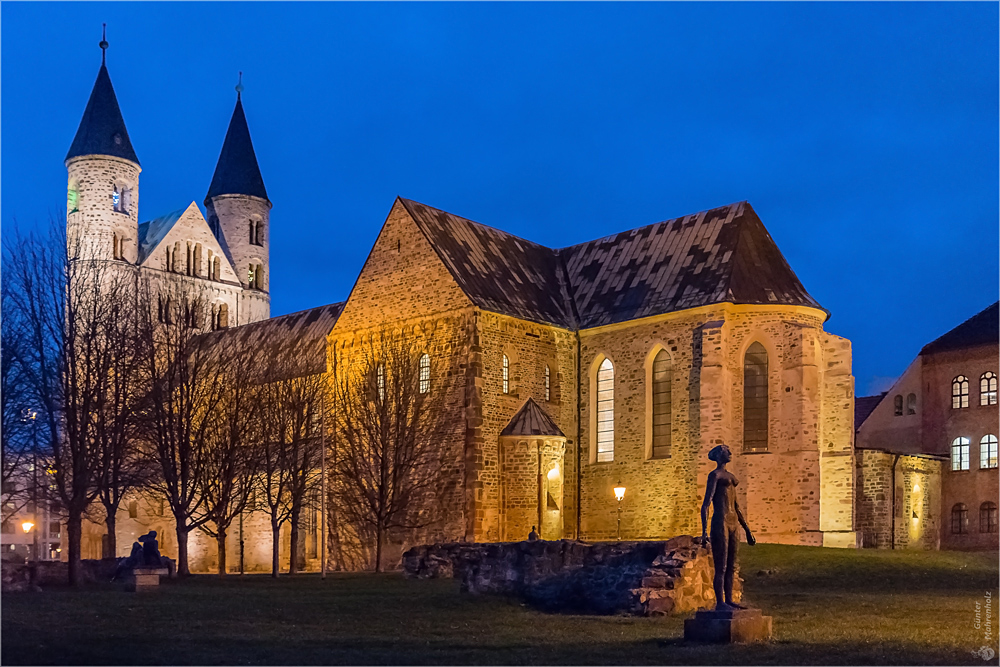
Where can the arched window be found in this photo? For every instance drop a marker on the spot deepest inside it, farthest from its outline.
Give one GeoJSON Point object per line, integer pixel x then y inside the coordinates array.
{"type": "Point", "coordinates": [755, 399]}
{"type": "Point", "coordinates": [988, 452]}
{"type": "Point", "coordinates": [259, 232]}
{"type": "Point", "coordinates": [988, 388]}
{"type": "Point", "coordinates": [506, 374]}
{"type": "Point", "coordinates": [988, 517]}
{"type": "Point", "coordinates": [116, 246]}
{"type": "Point", "coordinates": [911, 404]}
{"type": "Point", "coordinates": [960, 454]}
{"type": "Point", "coordinates": [960, 392]}
{"type": "Point", "coordinates": [216, 268]}
{"type": "Point", "coordinates": [897, 405]}
{"type": "Point", "coordinates": [126, 200]}
{"type": "Point", "coordinates": [662, 377]}
{"type": "Point", "coordinates": [380, 381]}
{"type": "Point", "coordinates": [260, 276]}
{"type": "Point", "coordinates": [165, 310]}
{"type": "Point", "coordinates": [197, 259]}
{"type": "Point", "coordinates": [223, 316]}
{"type": "Point", "coordinates": [425, 373]}
{"type": "Point", "coordinates": [253, 233]}
{"type": "Point", "coordinates": [606, 411]}
{"type": "Point", "coordinates": [116, 199]}
{"type": "Point", "coordinates": [548, 384]}
{"type": "Point", "coordinates": [189, 267]}
{"type": "Point", "coordinates": [959, 519]}
{"type": "Point", "coordinates": [251, 277]}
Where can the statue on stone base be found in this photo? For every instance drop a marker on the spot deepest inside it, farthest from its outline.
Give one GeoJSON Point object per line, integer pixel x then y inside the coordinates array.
{"type": "Point", "coordinates": [726, 520]}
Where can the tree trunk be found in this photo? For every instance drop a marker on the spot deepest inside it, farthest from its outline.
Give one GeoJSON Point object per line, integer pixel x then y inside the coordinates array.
{"type": "Point", "coordinates": [275, 546]}
{"type": "Point", "coordinates": [379, 532]}
{"type": "Point", "coordinates": [74, 529]}
{"type": "Point", "coordinates": [182, 549]}
{"type": "Point", "coordinates": [221, 541]}
{"type": "Point", "coordinates": [293, 549]}
{"type": "Point", "coordinates": [112, 544]}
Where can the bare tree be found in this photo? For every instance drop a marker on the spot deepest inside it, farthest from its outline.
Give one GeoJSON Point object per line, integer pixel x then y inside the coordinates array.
{"type": "Point", "coordinates": [15, 437]}
{"type": "Point", "coordinates": [387, 426]}
{"type": "Point", "coordinates": [72, 310]}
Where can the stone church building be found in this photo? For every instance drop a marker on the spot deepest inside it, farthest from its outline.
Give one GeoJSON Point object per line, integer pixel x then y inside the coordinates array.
{"type": "Point", "coordinates": [619, 361]}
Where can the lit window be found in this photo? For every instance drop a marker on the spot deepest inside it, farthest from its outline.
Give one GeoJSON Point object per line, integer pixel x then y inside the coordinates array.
{"type": "Point", "coordinates": [960, 392]}
{"type": "Point", "coordinates": [911, 404]}
{"type": "Point", "coordinates": [662, 376]}
{"type": "Point", "coordinates": [380, 381]}
{"type": "Point", "coordinates": [755, 399]}
{"type": "Point", "coordinates": [548, 384]}
{"type": "Point", "coordinates": [960, 454]}
{"type": "Point", "coordinates": [116, 199]}
{"type": "Point", "coordinates": [506, 374]}
{"type": "Point", "coordinates": [606, 411]}
{"type": "Point", "coordinates": [988, 517]}
{"type": "Point", "coordinates": [897, 405]}
{"type": "Point", "coordinates": [425, 373]}
{"type": "Point", "coordinates": [988, 452]}
{"type": "Point", "coordinates": [959, 519]}
{"type": "Point", "coordinates": [988, 388]}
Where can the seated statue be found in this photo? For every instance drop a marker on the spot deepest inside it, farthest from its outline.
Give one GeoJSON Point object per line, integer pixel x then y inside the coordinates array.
{"type": "Point", "coordinates": [150, 550]}
{"type": "Point", "coordinates": [134, 560]}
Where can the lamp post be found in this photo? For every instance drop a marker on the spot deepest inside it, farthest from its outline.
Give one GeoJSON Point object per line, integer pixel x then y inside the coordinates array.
{"type": "Point", "coordinates": [619, 495]}
{"type": "Point", "coordinates": [30, 416]}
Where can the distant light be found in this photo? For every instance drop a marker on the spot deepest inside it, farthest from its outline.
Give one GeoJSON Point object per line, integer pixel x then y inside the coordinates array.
{"type": "Point", "coordinates": [554, 473]}
{"type": "Point", "coordinates": [916, 488]}
{"type": "Point", "coordinates": [27, 526]}
{"type": "Point", "coordinates": [619, 492]}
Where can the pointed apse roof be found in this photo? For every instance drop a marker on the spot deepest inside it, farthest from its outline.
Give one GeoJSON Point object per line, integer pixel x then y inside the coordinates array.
{"type": "Point", "coordinates": [532, 420]}
{"type": "Point", "coordinates": [237, 172]}
{"type": "Point", "coordinates": [102, 129]}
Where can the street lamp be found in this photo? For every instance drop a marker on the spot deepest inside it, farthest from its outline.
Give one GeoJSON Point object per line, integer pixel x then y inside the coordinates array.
{"type": "Point", "coordinates": [27, 526]}
{"type": "Point", "coordinates": [619, 494]}
{"type": "Point", "coordinates": [30, 416]}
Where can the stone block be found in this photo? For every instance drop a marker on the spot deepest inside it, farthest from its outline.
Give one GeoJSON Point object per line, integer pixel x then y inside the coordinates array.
{"type": "Point", "coordinates": [736, 626]}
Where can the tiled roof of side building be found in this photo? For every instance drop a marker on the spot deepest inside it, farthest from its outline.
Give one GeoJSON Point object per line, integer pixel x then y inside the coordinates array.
{"type": "Point", "coordinates": [102, 128]}
{"type": "Point", "coordinates": [301, 336]}
{"type": "Point", "coordinates": [864, 406]}
{"type": "Point", "coordinates": [983, 328]}
{"type": "Point", "coordinates": [721, 255]}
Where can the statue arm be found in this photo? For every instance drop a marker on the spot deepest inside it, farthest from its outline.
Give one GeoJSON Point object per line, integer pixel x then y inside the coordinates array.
{"type": "Point", "coordinates": [709, 492]}
{"type": "Point", "coordinates": [743, 522]}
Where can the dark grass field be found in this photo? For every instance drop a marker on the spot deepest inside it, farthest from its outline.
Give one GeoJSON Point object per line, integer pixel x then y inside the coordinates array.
{"type": "Point", "coordinates": [829, 607]}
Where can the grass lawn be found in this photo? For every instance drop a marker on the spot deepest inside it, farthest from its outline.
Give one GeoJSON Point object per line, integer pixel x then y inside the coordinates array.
{"type": "Point", "coordinates": [830, 606]}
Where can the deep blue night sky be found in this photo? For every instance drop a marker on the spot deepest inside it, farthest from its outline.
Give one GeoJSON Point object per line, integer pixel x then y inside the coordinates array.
{"type": "Point", "coordinates": [864, 135]}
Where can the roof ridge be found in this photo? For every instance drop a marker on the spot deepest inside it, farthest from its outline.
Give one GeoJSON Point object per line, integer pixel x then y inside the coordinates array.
{"type": "Point", "coordinates": [474, 222]}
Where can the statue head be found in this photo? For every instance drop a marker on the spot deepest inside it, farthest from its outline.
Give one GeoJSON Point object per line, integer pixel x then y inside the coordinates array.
{"type": "Point", "coordinates": [152, 534]}
{"type": "Point", "coordinates": [720, 454]}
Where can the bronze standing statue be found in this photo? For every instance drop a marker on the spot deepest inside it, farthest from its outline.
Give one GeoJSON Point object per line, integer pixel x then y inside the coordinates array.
{"type": "Point", "coordinates": [726, 520]}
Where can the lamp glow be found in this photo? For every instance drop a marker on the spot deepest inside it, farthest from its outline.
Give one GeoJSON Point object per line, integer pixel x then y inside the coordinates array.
{"type": "Point", "coordinates": [554, 473]}
{"type": "Point", "coordinates": [619, 492]}
{"type": "Point", "coordinates": [916, 488]}
{"type": "Point", "coordinates": [27, 526]}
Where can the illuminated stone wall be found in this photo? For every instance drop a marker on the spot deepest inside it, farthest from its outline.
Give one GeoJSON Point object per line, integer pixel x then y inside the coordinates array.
{"type": "Point", "coordinates": [917, 510]}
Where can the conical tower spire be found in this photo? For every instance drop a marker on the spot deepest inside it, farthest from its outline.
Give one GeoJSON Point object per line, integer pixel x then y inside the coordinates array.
{"type": "Point", "coordinates": [102, 129]}
{"type": "Point", "coordinates": [237, 172]}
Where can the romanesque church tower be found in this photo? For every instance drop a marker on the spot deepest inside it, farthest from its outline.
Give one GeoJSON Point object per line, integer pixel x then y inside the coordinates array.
{"type": "Point", "coordinates": [102, 201]}
{"type": "Point", "coordinates": [239, 213]}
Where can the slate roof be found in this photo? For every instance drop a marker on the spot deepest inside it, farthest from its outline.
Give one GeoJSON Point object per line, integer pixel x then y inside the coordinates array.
{"type": "Point", "coordinates": [531, 420]}
{"type": "Point", "coordinates": [983, 328]}
{"type": "Point", "coordinates": [864, 406]}
{"type": "Point", "coordinates": [102, 128]}
{"type": "Point", "coordinates": [721, 255]}
{"type": "Point", "coordinates": [301, 335]}
{"type": "Point", "coordinates": [237, 172]}
{"type": "Point", "coordinates": [154, 231]}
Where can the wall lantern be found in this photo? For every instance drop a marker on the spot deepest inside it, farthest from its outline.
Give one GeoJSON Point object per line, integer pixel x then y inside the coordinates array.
{"type": "Point", "coordinates": [619, 494]}
{"type": "Point", "coordinates": [27, 526]}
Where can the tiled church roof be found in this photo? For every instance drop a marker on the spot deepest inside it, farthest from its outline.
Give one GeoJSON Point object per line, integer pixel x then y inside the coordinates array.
{"type": "Point", "coordinates": [102, 128]}
{"type": "Point", "coordinates": [721, 255]}
{"type": "Point", "coordinates": [531, 420]}
{"type": "Point", "coordinates": [237, 172]}
{"type": "Point", "coordinates": [983, 328]}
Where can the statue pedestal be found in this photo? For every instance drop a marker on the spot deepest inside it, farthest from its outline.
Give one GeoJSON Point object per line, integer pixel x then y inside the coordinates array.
{"type": "Point", "coordinates": [147, 578]}
{"type": "Point", "coordinates": [731, 626]}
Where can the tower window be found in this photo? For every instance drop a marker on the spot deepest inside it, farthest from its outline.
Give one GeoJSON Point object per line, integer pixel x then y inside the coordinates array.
{"type": "Point", "coordinates": [505, 368]}
{"type": "Point", "coordinates": [960, 392]}
{"type": "Point", "coordinates": [988, 388]}
{"type": "Point", "coordinates": [121, 199]}
{"type": "Point", "coordinates": [660, 419]}
{"type": "Point", "coordinates": [548, 384]}
{"type": "Point", "coordinates": [116, 199]}
{"type": "Point", "coordinates": [755, 421]}
{"type": "Point", "coordinates": [606, 411]}
{"type": "Point", "coordinates": [425, 373]}
{"type": "Point", "coordinates": [256, 232]}
{"type": "Point", "coordinates": [988, 452]}
{"type": "Point", "coordinates": [959, 519]}
{"type": "Point", "coordinates": [960, 454]}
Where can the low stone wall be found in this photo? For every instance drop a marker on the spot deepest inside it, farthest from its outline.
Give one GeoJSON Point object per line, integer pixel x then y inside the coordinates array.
{"type": "Point", "coordinates": [17, 576]}
{"type": "Point", "coordinates": [643, 578]}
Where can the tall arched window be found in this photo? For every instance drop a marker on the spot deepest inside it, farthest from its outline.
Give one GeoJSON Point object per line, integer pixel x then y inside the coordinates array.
{"type": "Point", "coordinates": [911, 404]}
{"type": "Point", "coordinates": [988, 452]}
{"type": "Point", "coordinates": [959, 519]}
{"type": "Point", "coordinates": [548, 384]}
{"type": "Point", "coordinates": [223, 316]}
{"type": "Point", "coordinates": [425, 373]}
{"type": "Point", "coordinates": [380, 381]}
{"type": "Point", "coordinates": [988, 517]}
{"type": "Point", "coordinates": [506, 374]}
{"type": "Point", "coordinates": [216, 268]}
{"type": "Point", "coordinates": [897, 405]}
{"type": "Point", "coordinates": [259, 234]}
{"type": "Point", "coordinates": [988, 388]}
{"type": "Point", "coordinates": [662, 377]}
{"type": "Point", "coordinates": [960, 454]}
{"type": "Point", "coordinates": [253, 233]}
{"type": "Point", "coordinates": [755, 399]}
{"type": "Point", "coordinates": [960, 392]}
{"type": "Point", "coordinates": [606, 412]}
